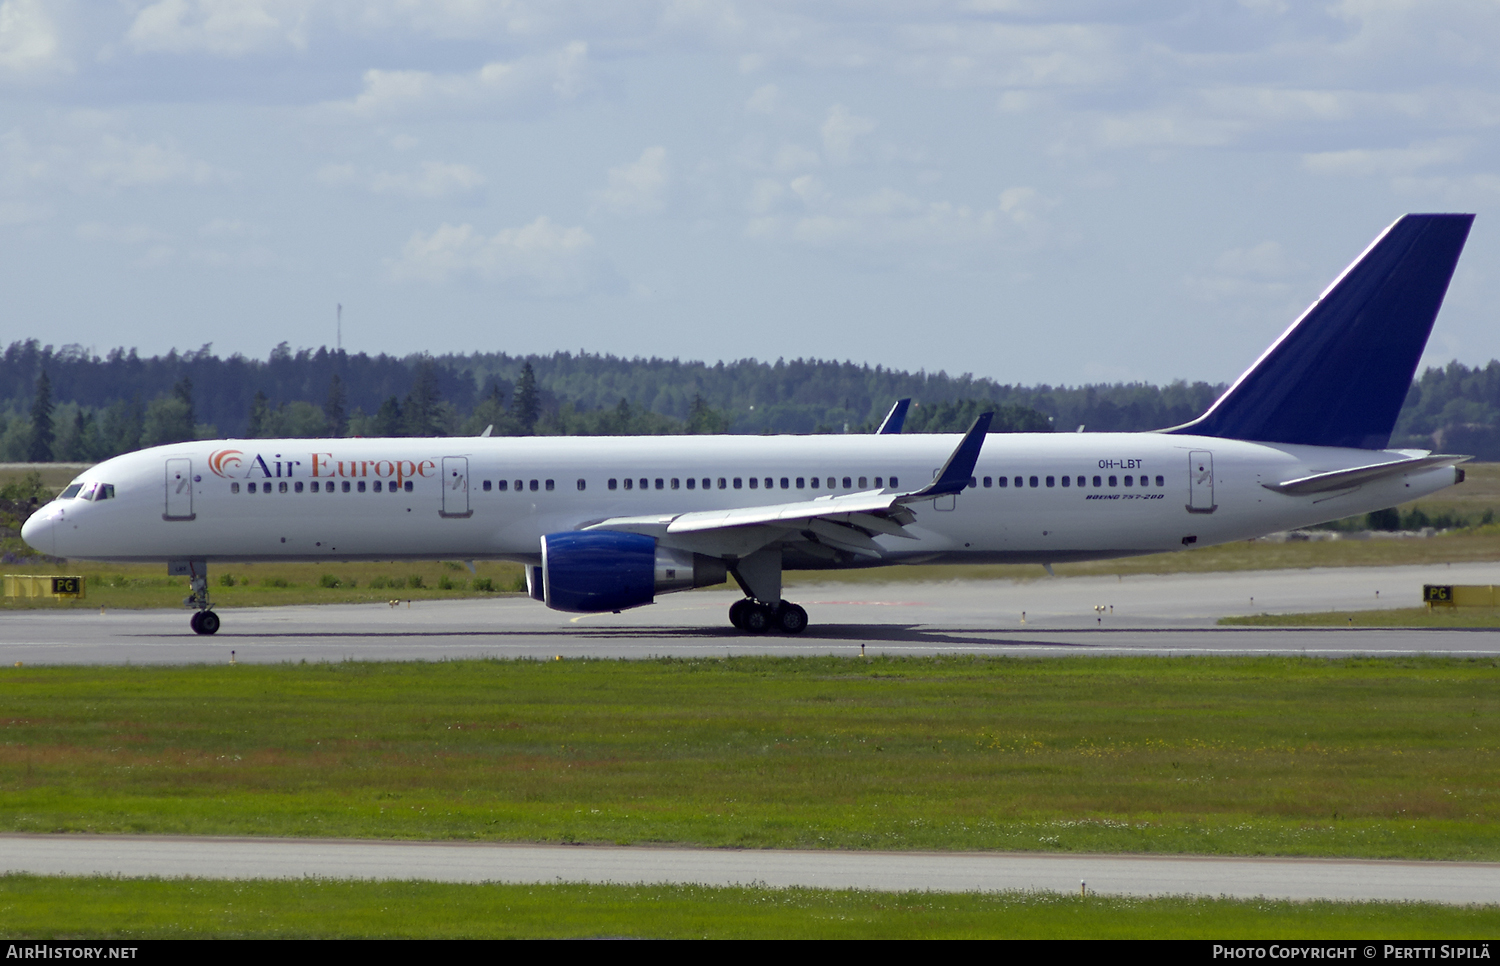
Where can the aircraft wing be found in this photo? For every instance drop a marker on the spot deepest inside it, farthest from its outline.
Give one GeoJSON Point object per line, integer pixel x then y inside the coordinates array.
{"type": "Point", "coordinates": [1343, 479]}
{"type": "Point", "coordinates": [849, 521]}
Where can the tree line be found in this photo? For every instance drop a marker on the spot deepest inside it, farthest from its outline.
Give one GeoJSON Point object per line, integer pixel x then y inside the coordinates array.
{"type": "Point", "coordinates": [72, 405]}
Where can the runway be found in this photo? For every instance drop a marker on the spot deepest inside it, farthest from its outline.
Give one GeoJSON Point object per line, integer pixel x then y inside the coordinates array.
{"type": "Point", "coordinates": [1135, 875]}
{"type": "Point", "coordinates": [1157, 615]}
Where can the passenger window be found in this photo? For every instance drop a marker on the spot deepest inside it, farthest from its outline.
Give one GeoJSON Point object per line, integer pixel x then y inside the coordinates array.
{"type": "Point", "coordinates": [786, 484]}
{"type": "Point", "coordinates": [629, 483]}
{"type": "Point", "coordinates": [801, 482]}
{"type": "Point", "coordinates": [1082, 480]}
{"type": "Point", "coordinates": [1160, 481]}
{"type": "Point", "coordinates": [1020, 482]}
{"type": "Point", "coordinates": [534, 486]}
{"type": "Point", "coordinates": [864, 483]}
{"type": "Point", "coordinates": [1002, 482]}
{"type": "Point", "coordinates": [361, 486]}
{"type": "Point", "coordinates": [313, 486]}
{"type": "Point", "coordinates": [487, 485]}
{"type": "Point", "coordinates": [1067, 480]}
{"type": "Point", "coordinates": [973, 482]}
{"type": "Point", "coordinates": [988, 482]}
{"type": "Point", "coordinates": [754, 482]}
{"type": "Point", "coordinates": [613, 484]}
{"type": "Point", "coordinates": [894, 483]}
{"type": "Point", "coordinates": [706, 483]}
{"type": "Point", "coordinates": [770, 483]}
{"type": "Point", "coordinates": [345, 487]}
{"type": "Point", "coordinates": [878, 484]}
{"type": "Point", "coordinates": [406, 486]}
{"type": "Point", "coordinates": [281, 486]}
{"type": "Point", "coordinates": [70, 492]}
{"type": "Point", "coordinates": [1113, 481]}
{"type": "Point", "coordinates": [737, 483]}
{"type": "Point", "coordinates": [297, 486]}
{"type": "Point", "coordinates": [550, 486]}
{"type": "Point", "coordinates": [582, 485]}
{"type": "Point", "coordinates": [1129, 480]}
{"type": "Point", "coordinates": [1051, 481]}
{"type": "Point", "coordinates": [833, 484]}
{"type": "Point", "coordinates": [1098, 481]}
{"type": "Point", "coordinates": [675, 483]}
{"type": "Point", "coordinates": [848, 483]}
{"type": "Point", "coordinates": [520, 485]}
{"type": "Point", "coordinates": [377, 486]}
{"type": "Point", "coordinates": [721, 482]}
{"type": "Point", "coordinates": [692, 482]}
{"type": "Point", "coordinates": [1033, 481]}
{"type": "Point", "coordinates": [660, 483]}
{"type": "Point", "coordinates": [645, 483]}
{"type": "Point", "coordinates": [233, 488]}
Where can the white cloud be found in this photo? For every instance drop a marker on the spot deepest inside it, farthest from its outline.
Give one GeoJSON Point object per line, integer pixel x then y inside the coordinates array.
{"type": "Point", "coordinates": [804, 210]}
{"type": "Point", "coordinates": [433, 180]}
{"type": "Point", "coordinates": [841, 131]}
{"type": "Point", "coordinates": [560, 74]}
{"type": "Point", "coordinates": [224, 27]}
{"type": "Point", "coordinates": [85, 159]}
{"type": "Point", "coordinates": [637, 188]}
{"type": "Point", "coordinates": [28, 41]}
{"type": "Point", "coordinates": [1384, 161]}
{"type": "Point", "coordinates": [1258, 273]}
{"type": "Point", "coordinates": [135, 234]}
{"type": "Point", "coordinates": [764, 100]}
{"type": "Point", "coordinates": [540, 258]}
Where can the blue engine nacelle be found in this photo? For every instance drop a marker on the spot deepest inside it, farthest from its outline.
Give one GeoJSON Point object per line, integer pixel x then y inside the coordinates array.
{"type": "Point", "coordinates": [587, 571]}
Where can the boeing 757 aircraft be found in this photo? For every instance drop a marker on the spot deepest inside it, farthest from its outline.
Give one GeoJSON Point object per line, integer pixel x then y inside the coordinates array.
{"type": "Point", "coordinates": [606, 523]}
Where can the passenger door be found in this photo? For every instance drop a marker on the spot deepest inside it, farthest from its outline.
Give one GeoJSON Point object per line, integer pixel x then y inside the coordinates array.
{"type": "Point", "coordinates": [179, 490]}
{"type": "Point", "coordinates": [456, 487]}
{"type": "Point", "coordinates": [1201, 482]}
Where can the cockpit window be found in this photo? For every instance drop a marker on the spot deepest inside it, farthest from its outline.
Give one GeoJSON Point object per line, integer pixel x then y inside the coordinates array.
{"type": "Point", "coordinates": [70, 492]}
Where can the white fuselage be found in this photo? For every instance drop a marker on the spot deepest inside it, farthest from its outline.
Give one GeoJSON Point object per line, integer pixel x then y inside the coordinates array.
{"type": "Point", "coordinates": [317, 499]}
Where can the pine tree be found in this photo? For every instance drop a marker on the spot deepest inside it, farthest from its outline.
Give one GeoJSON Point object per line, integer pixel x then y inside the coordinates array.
{"type": "Point", "coordinates": [260, 411]}
{"type": "Point", "coordinates": [388, 420]}
{"type": "Point", "coordinates": [184, 391]}
{"type": "Point", "coordinates": [423, 404]}
{"type": "Point", "coordinates": [333, 409]}
{"type": "Point", "coordinates": [525, 403]}
{"type": "Point", "coordinates": [40, 450]}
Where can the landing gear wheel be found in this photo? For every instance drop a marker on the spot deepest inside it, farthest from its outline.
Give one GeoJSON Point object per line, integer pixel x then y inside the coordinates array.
{"type": "Point", "coordinates": [791, 619]}
{"type": "Point", "coordinates": [205, 622]}
{"type": "Point", "coordinates": [737, 612]}
{"type": "Point", "coordinates": [758, 618]}
{"type": "Point", "coordinates": [196, 622]}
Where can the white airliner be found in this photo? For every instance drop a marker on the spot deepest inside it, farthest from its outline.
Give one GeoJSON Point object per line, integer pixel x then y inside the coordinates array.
{"type": "Point", "coordinates": [607, 523]}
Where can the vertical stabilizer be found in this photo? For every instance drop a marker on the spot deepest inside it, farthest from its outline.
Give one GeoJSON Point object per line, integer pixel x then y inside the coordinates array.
{"type": "Point", "coordinates": [1339, 375]}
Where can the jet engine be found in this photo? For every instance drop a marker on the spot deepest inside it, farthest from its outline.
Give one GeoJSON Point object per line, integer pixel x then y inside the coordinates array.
{"type": "Point", "coordinates": [587, 571]}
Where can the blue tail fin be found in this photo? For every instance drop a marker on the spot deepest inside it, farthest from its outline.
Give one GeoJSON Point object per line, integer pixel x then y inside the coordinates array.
{"type": "Point", "coordinates": [1339, 375]}
{"type": "Point", "coordinates": [896, 418]}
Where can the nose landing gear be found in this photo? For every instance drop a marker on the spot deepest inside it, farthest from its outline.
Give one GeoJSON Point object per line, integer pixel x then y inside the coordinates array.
{"type": "Point", "coordinates": [758, 617]}
{"type": "Point", "coordinates": [204, 620]}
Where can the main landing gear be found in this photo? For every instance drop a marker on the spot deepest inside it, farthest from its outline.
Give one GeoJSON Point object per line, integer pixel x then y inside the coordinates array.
{"type": "Point", "coordinates": [204, 620]}
{"type": "Point", "coordinates": [758, 617]}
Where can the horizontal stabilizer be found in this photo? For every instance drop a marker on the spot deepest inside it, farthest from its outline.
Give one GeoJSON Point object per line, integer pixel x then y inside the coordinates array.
{"type": "Point", "coordinates": [1344, 479]}
{"type": "Point", "coordinates": [1339, 375]}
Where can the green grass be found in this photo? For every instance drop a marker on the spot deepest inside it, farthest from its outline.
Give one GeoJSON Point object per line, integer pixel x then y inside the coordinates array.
{"type": "Point", "coordinates": [1267, 756]}
{"type": "Point", "coordinates": [1452, 617]}
{"type": "Point", "coordinates": [37, 907]}
{"type": "Point", "coordinates": [123, 586]}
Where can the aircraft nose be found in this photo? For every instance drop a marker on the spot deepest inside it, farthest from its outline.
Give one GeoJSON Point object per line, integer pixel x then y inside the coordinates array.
{"type": "Point", "coordinates": [41, 531]}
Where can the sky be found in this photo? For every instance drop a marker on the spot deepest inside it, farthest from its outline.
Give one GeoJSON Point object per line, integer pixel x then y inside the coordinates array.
{"type": "Point", "coordinates": [1060, 191]}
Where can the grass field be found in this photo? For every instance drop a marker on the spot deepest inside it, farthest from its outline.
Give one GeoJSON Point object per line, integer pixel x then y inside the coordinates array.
{"type": "Point", "coordinates": [38, 907]}
{"type": "Point", "coordinates": [1394, 758]}
{"type": "Point", "coordinates": [1450, 617]}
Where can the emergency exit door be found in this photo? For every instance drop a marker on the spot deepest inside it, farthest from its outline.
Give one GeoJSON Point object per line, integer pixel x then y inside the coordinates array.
{"type": "Point", "coordinates": [1201, 482]}
{"type": "Point", "coordinates": [456, 486]}
{"type": "Point", "coordinates": [179, 490]}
